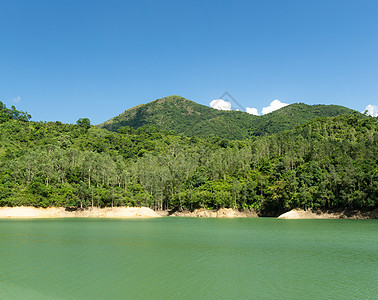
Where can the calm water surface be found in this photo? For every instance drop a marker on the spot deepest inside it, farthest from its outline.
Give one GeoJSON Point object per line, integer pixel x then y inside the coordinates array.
{"type": "Point", "coordinates": [188, 258]}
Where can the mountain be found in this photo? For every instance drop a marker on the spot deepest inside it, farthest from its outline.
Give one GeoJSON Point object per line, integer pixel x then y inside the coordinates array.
{"type": "Point", "coordinates": [192, 119]}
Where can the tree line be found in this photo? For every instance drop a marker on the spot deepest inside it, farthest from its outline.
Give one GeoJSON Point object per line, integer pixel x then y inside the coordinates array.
{"type": "Point", "coordinates": [326, 163]}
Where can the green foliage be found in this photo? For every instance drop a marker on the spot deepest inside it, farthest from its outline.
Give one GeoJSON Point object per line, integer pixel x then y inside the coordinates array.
{"type": "Point", "coordinates": [7, 114]}
{"type": "Point", "coordinates": [84, 122]}
{"type": "Point", "coordinates": [325, 163]}
{"type": "Point", "coordinates": [192, 119]}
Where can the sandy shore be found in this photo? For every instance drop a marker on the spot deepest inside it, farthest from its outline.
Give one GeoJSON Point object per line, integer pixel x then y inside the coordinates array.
{"type": "Point", "coordinates": [60, 212]}
{"type": "Point", "coordinates": [308, 214]}
{"type": "Point", "coordinates": [145, 212]}
{"type": "Point", "coordinates": [220, 213]}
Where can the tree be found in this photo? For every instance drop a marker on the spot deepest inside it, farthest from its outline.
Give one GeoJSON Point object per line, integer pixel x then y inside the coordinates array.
{"type": "Point", "coordinates": [84, 122]}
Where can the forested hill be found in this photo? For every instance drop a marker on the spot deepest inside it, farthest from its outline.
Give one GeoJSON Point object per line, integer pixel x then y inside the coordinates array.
{"type": "Point", "coordinates": [326, 163]}
{"type": "Point", "coordinates": [191, 119]}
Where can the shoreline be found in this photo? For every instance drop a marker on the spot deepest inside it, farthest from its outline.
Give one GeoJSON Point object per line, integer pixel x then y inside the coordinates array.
{"type": "Point", "coordinates": [297, 213]}
{"type": "Point", "coordinates": [123, 212]}
{"type": "Point", "coordinates": [29, 212]}
{"type": "Point", "coordinates": [212, 213]}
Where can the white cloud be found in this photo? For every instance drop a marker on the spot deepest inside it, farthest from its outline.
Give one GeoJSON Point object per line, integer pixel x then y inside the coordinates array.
{"type": "Point", "coordinates": [274, 105]}
{"type": "Point", "coordinates": [372, 110]}
{"type": "Point", "coordinates": [252, 111]}
{"type": "Point", "coordinates": [220, 104]}
{"type": "Point", "coordinates": [17, 100]}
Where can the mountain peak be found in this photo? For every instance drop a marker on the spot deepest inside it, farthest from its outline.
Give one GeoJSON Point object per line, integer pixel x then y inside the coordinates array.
{"type": "Point", "coordinates": [190, 118]}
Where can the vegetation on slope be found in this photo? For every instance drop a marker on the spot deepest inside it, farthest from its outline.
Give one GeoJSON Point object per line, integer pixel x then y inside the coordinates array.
{"type": "Point", "coordinates": [326, 163]}
{"type": "Point", "coordinates": [191, 119]}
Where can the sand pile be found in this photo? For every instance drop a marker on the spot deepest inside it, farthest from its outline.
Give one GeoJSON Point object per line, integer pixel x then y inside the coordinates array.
{"type": "Point", "coordinates": [345, 214]}
{"type": "Point", "coordinates": [306, 214]}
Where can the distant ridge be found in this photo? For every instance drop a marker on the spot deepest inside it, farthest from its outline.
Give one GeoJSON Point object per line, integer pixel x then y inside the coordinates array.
{"type": "Point", "coordinates": [192, 119]}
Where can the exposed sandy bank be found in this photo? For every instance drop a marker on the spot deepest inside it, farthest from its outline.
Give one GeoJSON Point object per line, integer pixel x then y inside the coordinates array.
{"type": "Point", "coordinates": [347, 214]}
{"type": "Point", "coordinates": [162, 213]}
{"type": "Point", "coordinates": [60, 212]}
{"type": "Point", "coordinates": [221, 213]}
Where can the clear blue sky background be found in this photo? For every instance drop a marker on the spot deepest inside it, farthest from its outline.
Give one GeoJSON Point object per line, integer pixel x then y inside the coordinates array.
{"type": "Point", "coordinates": [62, 60]}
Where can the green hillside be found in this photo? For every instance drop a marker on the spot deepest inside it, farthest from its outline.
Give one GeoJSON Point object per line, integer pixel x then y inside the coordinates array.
{"type": "Point", "coordinates": [326, 163]}
{"type": "Point", "coordinates": [192, 119]}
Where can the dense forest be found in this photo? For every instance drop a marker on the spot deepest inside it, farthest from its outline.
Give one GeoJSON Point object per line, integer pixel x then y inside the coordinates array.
{"type": "Point", "coordinates": [326, 163]}
{"type": "Point", "coordinates": [192, 119]}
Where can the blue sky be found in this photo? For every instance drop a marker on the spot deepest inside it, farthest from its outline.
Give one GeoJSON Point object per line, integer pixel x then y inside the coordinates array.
{"type": "Point", "coordinates": [63, 60]}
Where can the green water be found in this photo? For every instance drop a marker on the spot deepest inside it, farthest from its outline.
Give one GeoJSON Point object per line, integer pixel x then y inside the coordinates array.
{"type": "Point", "coordinates": [188, 258]}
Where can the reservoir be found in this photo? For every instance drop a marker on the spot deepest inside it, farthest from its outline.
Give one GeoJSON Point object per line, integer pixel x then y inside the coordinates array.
{"type": "Point", "coordinates": [188, 258]}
